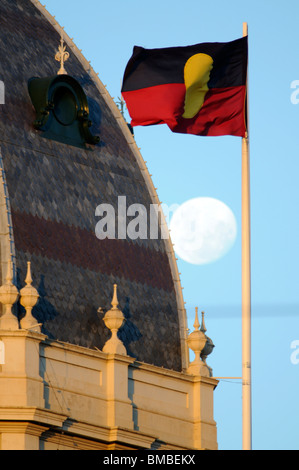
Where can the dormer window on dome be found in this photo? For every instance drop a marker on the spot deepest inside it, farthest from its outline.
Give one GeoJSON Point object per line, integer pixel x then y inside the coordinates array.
{"type": "Point", "coordinates": [62, 111]}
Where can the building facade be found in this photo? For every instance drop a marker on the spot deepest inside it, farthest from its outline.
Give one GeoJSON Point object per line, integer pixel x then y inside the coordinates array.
{"type": "Point", "coordinates": [94, 345]}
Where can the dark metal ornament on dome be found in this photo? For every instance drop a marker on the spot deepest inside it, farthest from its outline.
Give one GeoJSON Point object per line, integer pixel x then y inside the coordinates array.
{"type": "Point", "coordinates": [62, 111]}
{"type": "Point", "coordinates": [209, 346]}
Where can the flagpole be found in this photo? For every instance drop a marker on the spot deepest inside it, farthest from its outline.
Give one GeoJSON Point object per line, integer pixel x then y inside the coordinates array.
{"type": "Point", "coordinates": [246, 288]}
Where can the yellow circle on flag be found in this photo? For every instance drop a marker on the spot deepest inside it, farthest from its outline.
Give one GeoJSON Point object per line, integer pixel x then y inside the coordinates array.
{"type": "Point", "coordinates": [196, 76]}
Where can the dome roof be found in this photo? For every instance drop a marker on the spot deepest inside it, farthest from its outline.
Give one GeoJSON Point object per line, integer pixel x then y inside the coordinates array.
{"type": "Point", "coordinates": [50, 190]}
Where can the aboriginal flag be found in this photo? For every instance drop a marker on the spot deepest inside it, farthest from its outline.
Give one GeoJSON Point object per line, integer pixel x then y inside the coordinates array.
{"type": "Point", "coordinates": [198, 89]}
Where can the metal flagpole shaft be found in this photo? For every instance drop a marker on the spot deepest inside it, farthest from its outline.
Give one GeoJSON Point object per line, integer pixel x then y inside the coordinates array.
{"type": "Point", "coordinates": [246, 298]}
{"type": "Point", "coordinates": [246, 291]}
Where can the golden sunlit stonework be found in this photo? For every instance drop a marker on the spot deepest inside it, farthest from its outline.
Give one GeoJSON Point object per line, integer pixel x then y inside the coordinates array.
{"type": "Point", "coordinates": [94, 344]}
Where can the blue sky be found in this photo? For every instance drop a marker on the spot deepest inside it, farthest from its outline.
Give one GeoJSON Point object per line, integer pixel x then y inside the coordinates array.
{"type": "Point", "coordinates": [185, 167]}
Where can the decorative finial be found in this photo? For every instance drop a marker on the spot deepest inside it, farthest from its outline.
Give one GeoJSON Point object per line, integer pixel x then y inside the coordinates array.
{"type": "Point", "coordinates": [196, 342]}
{"type": "Point", "coordinates": [114, 319]}
{"type": "Point", "coordinates": [196, 324]}
{"type": "Point", "coordinates": [9, 275]}
{"type": "Point", "coordinates": [122, 105]}
{"type": "Point", "coordinates": [28, 278]}
{"type": "Point", "coordinates": [114, 302]}
{"type": "Point", "coordinates": [29, 297]}
{"type": "Point", "coordinates": [62, 56]}
{"type": "Point", "coordinates": [8, 296]}
{"type": "Point", "coordinates": [203, 326]}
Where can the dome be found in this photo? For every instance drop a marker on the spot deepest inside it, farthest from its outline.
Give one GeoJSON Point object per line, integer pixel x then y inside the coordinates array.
{"type": "Point", "coordinates": [54, 176]}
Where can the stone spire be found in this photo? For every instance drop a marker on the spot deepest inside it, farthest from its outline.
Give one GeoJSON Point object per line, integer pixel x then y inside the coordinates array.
{"type": "Point", "coordinates": [114, 319]}
{"type": "Point", "coordinates": [9, 294]}
{"type": "Point", "coordinates": [29, 297]}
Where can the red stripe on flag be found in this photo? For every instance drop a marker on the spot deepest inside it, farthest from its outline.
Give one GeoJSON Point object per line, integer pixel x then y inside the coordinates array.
{"type": "Point", "coordinates": [223, 112]}
{"type": "Point", "coordinates": [156, 105]}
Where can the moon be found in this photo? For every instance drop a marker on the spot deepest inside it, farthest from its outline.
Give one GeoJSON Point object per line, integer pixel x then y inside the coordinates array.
{"type": "Point", "coordinates": [203, 230]}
